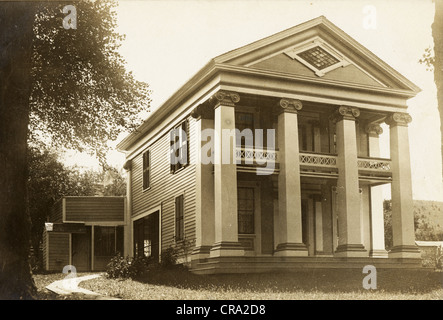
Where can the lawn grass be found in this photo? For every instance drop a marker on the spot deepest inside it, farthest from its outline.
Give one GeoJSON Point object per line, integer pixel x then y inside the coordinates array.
{"type": "Point", "coordinates": [316, 284]}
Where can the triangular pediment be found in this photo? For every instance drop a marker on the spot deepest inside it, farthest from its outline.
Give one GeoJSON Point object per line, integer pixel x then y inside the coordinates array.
{"type": "Point", "coordinates": [317, 59]}
{"type": "Point", "coordinates": [320, 50]}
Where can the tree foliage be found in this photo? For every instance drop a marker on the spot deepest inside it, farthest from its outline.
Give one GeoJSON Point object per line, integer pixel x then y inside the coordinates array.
{"type": "Point", "coordinates": [82, 95]}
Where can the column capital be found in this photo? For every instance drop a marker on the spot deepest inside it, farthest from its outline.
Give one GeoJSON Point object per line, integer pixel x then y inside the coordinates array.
{"type": "Point", "coordinates": [202, 111]}
{"type": "Point", "coordinates": [374, 129]}
{"type": "Point", "coordinates": [398, 119]}
{"type": "Point", "coordinates": [289, 105]}
{"type": "Point", "coordinates": [345, 113]}
{"type": "Point", "coordinates": [228, 98]}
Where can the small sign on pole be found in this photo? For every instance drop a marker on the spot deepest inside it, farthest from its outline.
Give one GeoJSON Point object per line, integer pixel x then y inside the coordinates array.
{"type": "Point", "coordinates": [49, 226]}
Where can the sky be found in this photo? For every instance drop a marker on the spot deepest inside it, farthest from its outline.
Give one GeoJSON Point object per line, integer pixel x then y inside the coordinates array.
{"type": "Point", "coordinates": [167, 42]}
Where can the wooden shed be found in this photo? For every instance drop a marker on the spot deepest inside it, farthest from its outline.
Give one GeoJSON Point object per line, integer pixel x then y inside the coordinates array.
{"type": "Point", "coordinates": [85, 232]}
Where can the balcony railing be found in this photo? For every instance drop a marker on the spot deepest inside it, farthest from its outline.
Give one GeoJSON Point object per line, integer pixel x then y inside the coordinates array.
{"type": "Point", "coordinates": [254, 156]}
{"type": "Point", "coordinates": [318, 163]}
{"type": "Point", "coordinates": [318, 160]}
{"type": "Point", "coordinates": [374, 166]}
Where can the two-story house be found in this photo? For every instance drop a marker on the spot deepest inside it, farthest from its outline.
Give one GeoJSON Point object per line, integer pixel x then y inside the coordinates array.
{"type": "Point", "coordinates": [269, 158]}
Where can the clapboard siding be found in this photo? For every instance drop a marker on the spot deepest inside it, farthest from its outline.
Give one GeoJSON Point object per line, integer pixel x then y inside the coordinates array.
{"type": "Point", "coordinates": [58, 251]}
{"type": "Point", "coordinates": [165, 186]}
{"type": "Point", "coordinates": [95, 209]}
{"type": "Point", "coordinates": [56, 214]}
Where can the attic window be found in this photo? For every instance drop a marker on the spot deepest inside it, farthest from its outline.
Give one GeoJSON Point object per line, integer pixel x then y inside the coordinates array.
{"type": "Point", "coordinates": [318, 57]}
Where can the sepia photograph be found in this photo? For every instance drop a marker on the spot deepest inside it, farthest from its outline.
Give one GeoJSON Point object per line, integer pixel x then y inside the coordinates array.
{"type": "Point", "coordinates": [223, 157]}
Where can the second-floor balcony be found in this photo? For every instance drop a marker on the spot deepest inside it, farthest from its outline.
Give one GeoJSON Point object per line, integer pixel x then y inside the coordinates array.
{"type": "Point", "coordinates": [314, 164]}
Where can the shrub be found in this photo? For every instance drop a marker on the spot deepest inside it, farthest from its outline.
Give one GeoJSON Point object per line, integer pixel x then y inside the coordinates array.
{"type": "Point", "coordinates": [169, 258]}
{"type": "Point", "coordinates": [140, 267]}
{"type": "Point", "coordinates": [120, 267]}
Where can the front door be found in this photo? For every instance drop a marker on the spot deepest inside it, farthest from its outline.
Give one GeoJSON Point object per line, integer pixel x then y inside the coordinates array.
{"type": "Point", "coordinates": [81, 250]}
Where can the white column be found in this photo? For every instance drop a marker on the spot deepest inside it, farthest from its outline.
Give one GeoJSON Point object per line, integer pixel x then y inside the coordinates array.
{"type": "Point", "coordinates": [348, 191]}
{"type": "Point", "coordinates": [204, 185]}
{"type": "Point", "coordinates": [376, 199]}
{"type": "Point", "coordinates": [289, 189]}
{"type": "Point", "coordinates": [225, 177]}
{"type": "Point", "coordinates": [403, 232]}
{"type": "Point", "coordinates": [127, 229]}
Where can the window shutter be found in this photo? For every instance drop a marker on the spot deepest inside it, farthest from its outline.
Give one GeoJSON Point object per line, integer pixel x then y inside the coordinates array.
{"type": "Point", "coordinates": [146, 169]}
{"type": "Point", "coordinates": [184, 144]}
{"type": "Point", "coordinates": [171, 150]}
{"type": "Point", "coordinates": [179, 218]}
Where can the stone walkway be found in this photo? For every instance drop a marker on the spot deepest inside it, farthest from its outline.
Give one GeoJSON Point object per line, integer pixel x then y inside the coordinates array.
{"type": "Point", "coordinates": [70, 286]}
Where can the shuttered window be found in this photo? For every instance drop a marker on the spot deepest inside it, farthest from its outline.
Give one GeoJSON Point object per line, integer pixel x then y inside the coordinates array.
{"type": "Point", "coordinates": [179, 218]}
{"type": "Point", "coordinates": [146, 169]}
{"type": "Point", "coordinates": [179, 147]}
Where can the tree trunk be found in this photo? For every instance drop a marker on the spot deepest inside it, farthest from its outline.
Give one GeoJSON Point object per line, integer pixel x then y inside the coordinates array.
{"type": "Point", "coordinates": [437, 34]}
{"type": "Point", "coordinates": [16, 21]}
